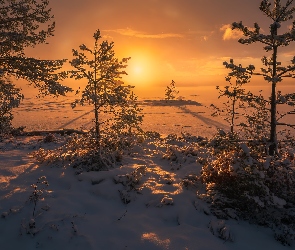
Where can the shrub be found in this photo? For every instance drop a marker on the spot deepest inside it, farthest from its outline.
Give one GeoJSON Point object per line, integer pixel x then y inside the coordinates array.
{"type": "Point", "coordinates": [242, 180]}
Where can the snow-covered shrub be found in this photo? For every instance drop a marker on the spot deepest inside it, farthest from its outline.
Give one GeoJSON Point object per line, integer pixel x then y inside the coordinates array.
{"type": "Point", "coordinates": [222, 141]}
{"type": "Point", "coordinates": [152, 135]}
{"type": "Point", "coordinates": [82, 152]}
{"type": "Point", "coordinates": [191, 181]}
{"type": "Point", "coordinates": [166, 200]}
{"type": "Point", "coordinates": [242, 181]}
{"type": "Point", "coordinates": [181, 154]}
{"type": "Point", "coordinates": [130, 183]}
{"type": "Point", "coordinates": [233, 181]}
{"type": "Point", "coordinates": [221, 230]}
{"type": "Point", "coordinates": [181, 150]}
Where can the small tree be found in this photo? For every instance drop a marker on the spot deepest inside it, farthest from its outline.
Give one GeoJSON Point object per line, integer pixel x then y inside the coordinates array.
{"type": "Point", "coordinates": [251, 110]}
{"type": "Point", "coordinates": [273, 71]}
{"type": "Point", "coordinates": [234, 93]}
{"type": "Point", "coordinates": [103, 72]}
{"type": "Point", "coordinates": [171, 92]}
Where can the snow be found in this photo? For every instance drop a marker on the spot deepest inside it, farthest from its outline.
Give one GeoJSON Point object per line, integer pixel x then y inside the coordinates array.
{"type": "Point", "coordinates": [86, 212]}
{"type": "Point", "coordinates": [140, 204]}
{"type": "Point", "coordinates": [279, 201]}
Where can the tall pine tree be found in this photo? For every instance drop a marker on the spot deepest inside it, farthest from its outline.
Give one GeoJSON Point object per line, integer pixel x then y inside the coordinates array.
{"type": "Point", "coordinates": [273, 72]}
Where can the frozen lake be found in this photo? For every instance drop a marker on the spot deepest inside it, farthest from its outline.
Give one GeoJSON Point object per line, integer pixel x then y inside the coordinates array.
{"type": "Point", "coordinates": [56, 113]}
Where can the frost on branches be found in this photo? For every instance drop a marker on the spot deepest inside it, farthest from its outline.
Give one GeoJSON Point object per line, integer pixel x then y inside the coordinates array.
{"type": "Point", "coordinates": [273, 71]}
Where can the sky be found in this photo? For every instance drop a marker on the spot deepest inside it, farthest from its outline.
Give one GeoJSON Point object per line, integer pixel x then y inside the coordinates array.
{"type": "Point", "coordinates": [182, 40]}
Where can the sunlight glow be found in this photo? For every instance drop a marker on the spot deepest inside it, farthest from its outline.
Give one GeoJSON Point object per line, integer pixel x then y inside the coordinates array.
{"type": "Point", "coordinates": [137, 70]}
{"type": "Point", "coordinates": [140, 69]}
{"type": "Point", "coordinates": [158, 187]}
{"type": "Point", "coordinates": [154, 238]}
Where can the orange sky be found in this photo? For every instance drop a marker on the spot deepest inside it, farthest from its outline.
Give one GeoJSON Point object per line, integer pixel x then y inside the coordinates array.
{"type": "Point", "coordinates": [183, 40]}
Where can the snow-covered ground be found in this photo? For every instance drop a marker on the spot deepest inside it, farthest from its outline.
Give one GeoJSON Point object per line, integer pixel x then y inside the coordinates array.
{"type": "Point", "coordinates": [86, 211]}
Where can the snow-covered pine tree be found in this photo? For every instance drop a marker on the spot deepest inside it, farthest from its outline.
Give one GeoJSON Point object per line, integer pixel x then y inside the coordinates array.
{"type": "Point", "coordinates": [273, 71]}
{"type": "Point", "coordinates": [116, 112]}
{"type": "Point", "coordinates": [103, 71]}
{"type": "Point", "coordinates": [22, 24]}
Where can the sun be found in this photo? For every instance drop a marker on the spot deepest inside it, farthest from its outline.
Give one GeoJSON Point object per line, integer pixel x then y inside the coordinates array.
{"type": "Point", "coordinates": [139, 69]}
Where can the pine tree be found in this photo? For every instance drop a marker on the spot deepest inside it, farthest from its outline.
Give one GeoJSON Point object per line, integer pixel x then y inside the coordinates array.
{"type": "Point", "coordinates": [171, 92]}
{"type": "Point", "coordinates": [21, 26]}
{"type": "Point", "coordinates": [103, 71]}
{"type": "Point", "coordinates": [273, 72]}
{"type": "Point", "coordinates": [234, 92]}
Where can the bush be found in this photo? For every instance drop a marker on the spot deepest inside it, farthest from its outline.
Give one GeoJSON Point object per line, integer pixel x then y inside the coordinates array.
{"type": "Point", "coordinates": [82, 152]}
{"type": "Point", "coordinates": [242, 180]}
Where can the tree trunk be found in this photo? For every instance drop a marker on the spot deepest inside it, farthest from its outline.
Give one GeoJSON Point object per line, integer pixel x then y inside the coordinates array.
{"type": "Point", "coordinates": [273, 121]}
{"type": "Point", "coordinates": [97, 130]}
{"type": "Point", "coordinates": [273, 105]}
{"type": "Point", "coordinates": [233, 114]}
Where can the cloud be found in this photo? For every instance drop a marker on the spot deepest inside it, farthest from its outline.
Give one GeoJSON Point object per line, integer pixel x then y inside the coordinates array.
{"type": "Point", "coordinates": [229, 34]}
{"type": "Point", "coordinates": [135, 33]}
